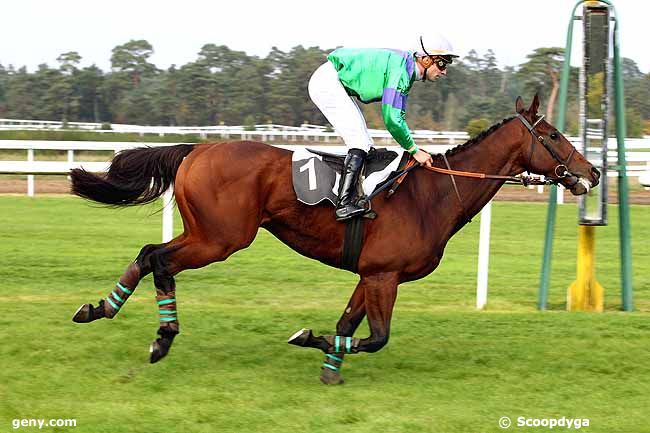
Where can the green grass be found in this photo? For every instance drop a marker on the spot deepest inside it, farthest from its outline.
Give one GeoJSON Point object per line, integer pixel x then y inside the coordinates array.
{"type": "Point", "coordinates": [447, 368]}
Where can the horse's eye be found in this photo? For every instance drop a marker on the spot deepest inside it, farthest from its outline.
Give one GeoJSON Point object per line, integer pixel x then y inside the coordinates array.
{"type": "Point", "coordinates": [554, 136]}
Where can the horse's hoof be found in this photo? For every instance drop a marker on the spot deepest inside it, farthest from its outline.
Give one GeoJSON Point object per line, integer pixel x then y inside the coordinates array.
{"type": "Point", "coordinates": [330, 377]}
{"type": "Point", "coordinates": [84, 314]}
{"type": "Point", "coordinates": [300, 338]}
{"type": "Point", "coordinates": [157, 352]}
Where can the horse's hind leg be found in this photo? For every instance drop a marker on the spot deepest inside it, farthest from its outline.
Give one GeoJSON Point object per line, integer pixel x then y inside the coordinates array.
{"type": "Point", "coordinates": [166, 300]}
{"type": "Point", "coordinates": [185, 252]}
{"type": "Point", "coordinates": [164, 261]}
{"type": "Point", "coordinates": [108, 307]}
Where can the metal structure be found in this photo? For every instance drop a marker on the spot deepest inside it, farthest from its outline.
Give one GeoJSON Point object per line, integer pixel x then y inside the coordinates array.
{"type": "Point", "coordinates": [594, 107]}
{"type": "Point", "coordinates": [585, 292]}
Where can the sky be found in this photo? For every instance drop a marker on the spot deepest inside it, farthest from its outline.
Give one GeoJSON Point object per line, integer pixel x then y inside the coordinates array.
{"type": "Point", "coordinates": [37, 31]}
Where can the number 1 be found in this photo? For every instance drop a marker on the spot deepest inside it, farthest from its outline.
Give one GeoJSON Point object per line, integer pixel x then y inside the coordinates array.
{"type": "Point", "coordinates": [312, 173]}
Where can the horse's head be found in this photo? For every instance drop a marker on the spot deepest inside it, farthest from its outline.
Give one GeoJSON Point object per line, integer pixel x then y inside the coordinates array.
{"type": "Point", "coordinates": [549, 153]}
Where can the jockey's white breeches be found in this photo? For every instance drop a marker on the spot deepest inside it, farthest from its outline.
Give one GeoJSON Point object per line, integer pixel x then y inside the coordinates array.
{"type": "Point", "coordinates": [339, 109]}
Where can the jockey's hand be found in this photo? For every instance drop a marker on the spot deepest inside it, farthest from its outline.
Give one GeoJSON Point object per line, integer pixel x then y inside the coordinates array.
{"type": "Point", "coordinates": [423, 158]}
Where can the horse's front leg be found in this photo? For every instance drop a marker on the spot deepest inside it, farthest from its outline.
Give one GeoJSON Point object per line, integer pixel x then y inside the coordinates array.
{"type": "Point", "coordinates": [352, 316]}
{"type": "Point", "coordinates": [375, 296]}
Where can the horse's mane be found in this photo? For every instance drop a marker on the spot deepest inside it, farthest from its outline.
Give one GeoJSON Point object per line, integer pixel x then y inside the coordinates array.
{"type": "Point", "coordinates": [472, 141]}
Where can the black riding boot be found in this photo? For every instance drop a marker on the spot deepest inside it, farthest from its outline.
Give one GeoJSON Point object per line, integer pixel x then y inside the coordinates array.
{"type": "Point", "coordinates": [346, 207]}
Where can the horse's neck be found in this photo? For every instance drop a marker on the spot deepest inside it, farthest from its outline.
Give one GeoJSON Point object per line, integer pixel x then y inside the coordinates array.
{"type": "Point", "coordinates": [496, 153]}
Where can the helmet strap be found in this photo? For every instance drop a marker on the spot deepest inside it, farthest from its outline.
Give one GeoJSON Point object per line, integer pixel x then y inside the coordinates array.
{"type": "Point", "coordinates": [424, 49]}
{"type": "Point", "coordinates": [426, 62]}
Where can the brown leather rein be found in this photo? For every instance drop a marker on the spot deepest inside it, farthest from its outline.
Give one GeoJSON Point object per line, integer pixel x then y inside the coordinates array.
{"type": "Point", "coordinates": [521, 180]}
{"type": "Point", "coordinates": [561, 171]}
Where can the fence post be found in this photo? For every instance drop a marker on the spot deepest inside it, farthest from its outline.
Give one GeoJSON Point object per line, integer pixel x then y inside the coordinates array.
{"type": "Point", "coordinates": [168, 215]}
{"type": "Point", "coordinates": [30, 177]}
{"type": "Point", "coordinates": [483, 257]}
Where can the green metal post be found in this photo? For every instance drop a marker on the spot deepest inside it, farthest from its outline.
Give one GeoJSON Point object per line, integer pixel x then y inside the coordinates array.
{"type": "Point", "coordinates": [548, 248]}
{"type": "Point", "coordinates": [552, 200]}
{"type": "Point", "coordinates": [623, 205]}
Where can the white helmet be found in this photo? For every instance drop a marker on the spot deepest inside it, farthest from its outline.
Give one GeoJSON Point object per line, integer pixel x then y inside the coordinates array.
{"type": "Point", "coordinates": [435, 45]}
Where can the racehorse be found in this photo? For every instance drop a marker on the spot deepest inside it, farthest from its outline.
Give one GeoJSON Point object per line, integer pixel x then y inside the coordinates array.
{"type": "Point", "coordinates": [226, 191]}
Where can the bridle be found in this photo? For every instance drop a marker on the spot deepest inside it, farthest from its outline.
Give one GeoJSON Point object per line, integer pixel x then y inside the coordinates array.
{"type": "Point", "coordinates": [562, 169]}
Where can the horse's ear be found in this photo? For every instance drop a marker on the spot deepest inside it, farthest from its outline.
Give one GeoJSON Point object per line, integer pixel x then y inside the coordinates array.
{"type": "Point", "coordinates": [535, 105]}
{"type": "Point", "coordinates": [519, 105]}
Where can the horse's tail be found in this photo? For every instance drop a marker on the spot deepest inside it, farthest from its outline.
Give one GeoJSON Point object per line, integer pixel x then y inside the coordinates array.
{"type": "Point", "coordinates": [136, 176]}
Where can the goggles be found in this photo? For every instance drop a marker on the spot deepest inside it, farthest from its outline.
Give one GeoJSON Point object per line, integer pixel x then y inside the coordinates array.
{"type": "Point", "coordinates": [442, 62]}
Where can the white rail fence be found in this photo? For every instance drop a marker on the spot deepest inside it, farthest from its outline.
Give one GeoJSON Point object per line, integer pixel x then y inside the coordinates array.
{"type": "Point", "coordinates": [637, 155]}
{"type": "Point", "coordinates": [263, 132]}
{"type": "Point", "coordinates": [638, 165]}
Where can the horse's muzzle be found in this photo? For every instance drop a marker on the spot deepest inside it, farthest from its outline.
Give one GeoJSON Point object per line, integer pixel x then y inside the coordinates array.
{"type": "Point", "coordinates": [595, 173]}
{"type": "Point", "coordinates": [583, 184]}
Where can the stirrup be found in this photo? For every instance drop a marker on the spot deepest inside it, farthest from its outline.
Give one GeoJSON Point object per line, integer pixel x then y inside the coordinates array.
{"type": "Point", "coordinates": [349, 211]}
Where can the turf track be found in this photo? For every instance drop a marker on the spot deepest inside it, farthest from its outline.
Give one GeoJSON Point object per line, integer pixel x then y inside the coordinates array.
{"type": "Point", "coordinates": [447, 367]}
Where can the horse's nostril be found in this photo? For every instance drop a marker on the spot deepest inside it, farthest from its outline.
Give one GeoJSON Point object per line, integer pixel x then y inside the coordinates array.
{"type": "Point", "coordinates": [595, 172]}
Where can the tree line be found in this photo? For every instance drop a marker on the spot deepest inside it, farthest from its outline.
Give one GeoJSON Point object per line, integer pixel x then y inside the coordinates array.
{"type": "Point", "coordinates": [224, 86]}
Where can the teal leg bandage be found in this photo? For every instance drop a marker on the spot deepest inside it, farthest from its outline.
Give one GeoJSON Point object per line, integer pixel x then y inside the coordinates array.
{"type": "Point", "coordinates": [167, 308]}
{"type": "Point", "coordinates": [345, 344]}
{"type": "Point", "coordinates": [333, 362]}
{"type": "Point", "coordinates": [116, 299]}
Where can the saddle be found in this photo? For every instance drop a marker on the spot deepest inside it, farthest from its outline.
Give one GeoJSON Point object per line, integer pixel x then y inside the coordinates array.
{"type": "Point", "coordinates": [376, 160]}
{"type": "Point", "coordinates": [316, 174]}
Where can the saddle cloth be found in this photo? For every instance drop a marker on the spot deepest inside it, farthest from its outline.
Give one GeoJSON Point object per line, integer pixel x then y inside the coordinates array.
{"type": "Point", "coordinates": [316, 175]}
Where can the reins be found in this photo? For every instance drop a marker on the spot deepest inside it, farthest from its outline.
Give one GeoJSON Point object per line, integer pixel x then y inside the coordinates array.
{"type": "Point", "coordinates": [523, 180]}
{"type": "Point", "coordinates": [519, 180]}
{"type": "Point", "coordinates": [412, 164]}
{"type": "Point", "coordinates": [453, 182]}
{"type": "Point", "coordinates": [561, 171]}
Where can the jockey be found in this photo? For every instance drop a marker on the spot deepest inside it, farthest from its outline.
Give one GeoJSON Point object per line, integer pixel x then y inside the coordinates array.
{"type": "Point", "coordinates": [373, 75]}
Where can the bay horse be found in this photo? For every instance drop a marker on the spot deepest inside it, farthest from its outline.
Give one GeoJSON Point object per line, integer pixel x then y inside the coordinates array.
{"type": "Point", "coordinates": [226, 191]}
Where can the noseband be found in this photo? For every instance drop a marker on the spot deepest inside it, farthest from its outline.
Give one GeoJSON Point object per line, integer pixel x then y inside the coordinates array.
{"type": "Point", "coordinates": [562, 169]}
